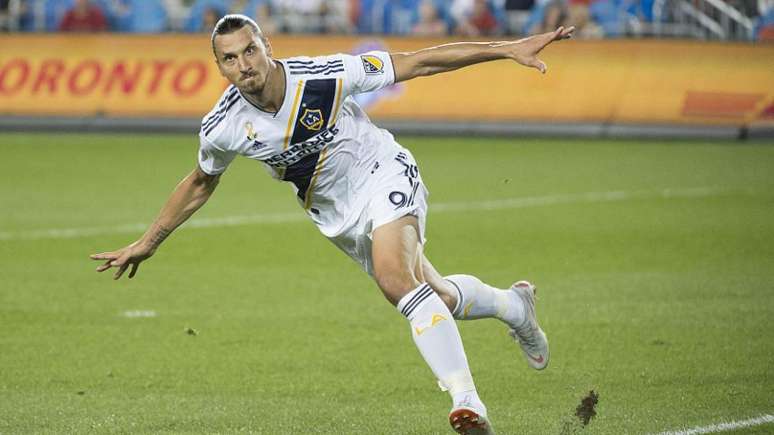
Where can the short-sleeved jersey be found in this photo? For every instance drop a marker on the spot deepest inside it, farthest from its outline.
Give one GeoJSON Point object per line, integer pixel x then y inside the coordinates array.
{"type": "Point", "coordinates": [319, 140]}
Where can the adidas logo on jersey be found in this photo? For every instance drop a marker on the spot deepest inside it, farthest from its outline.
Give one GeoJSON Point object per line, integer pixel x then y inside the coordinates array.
{"type": "Point", "coordinates": [257, 145]}
{"type": "Point", "coordinates": [252, 135]}
{"type": "Point", "coordinates": [372, 64]}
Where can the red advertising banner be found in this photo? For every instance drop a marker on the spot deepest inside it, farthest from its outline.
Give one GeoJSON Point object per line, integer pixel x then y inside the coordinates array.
{"type": "Point", "coordinates": [646, 82]}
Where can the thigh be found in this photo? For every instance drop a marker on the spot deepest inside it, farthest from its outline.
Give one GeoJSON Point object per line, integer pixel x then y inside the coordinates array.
{"type": "Point", "coordinates": [397, 194]}
{"type": "Point", "coordinates": [395, 254]}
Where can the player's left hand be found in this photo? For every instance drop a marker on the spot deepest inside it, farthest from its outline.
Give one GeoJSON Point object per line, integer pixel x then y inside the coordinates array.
{"type": "Point", "coordinates": [526, 50]}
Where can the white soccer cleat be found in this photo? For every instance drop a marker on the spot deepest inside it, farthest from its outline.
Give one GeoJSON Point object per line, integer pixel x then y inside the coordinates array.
{"type": "Point", "coordinates": [531, 338]}
{"type": "Point", "coordinates": [468, 421]}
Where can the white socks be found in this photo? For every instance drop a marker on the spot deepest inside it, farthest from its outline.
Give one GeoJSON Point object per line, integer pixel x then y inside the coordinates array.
{"type": "Point", "coordinates": [476, 300]}
{"type": "Point", "coordinates": [438, 340]}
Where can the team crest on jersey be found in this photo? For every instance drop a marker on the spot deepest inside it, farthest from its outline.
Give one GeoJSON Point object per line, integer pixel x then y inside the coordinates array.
{"type": "Point", "coordinates": [372, 64]}
{"type": "Point", "coordinates": [312, 119]}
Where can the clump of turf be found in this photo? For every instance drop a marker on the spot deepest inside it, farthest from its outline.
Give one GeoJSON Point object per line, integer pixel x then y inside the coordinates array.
{"type": "Point", "coordinates": [586, 410]}
{"type": "Point", "coordinates": [575, 424]}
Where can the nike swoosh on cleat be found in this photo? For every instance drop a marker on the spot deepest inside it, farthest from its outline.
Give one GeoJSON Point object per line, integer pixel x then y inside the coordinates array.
{"type": "Point", "coordinates": [538, 360]}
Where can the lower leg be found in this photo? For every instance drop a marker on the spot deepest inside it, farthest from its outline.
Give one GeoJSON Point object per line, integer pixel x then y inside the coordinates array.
{"type": "Point", "coordinates": [473, 299]}
{"type": "Point", "coordinates": [396, 252]}
{"type": "Point", "coordinates": [469, 298]}
{"type": "Point", "coordinates": [436, 336]}
{"type": "Point", "coordinates": [480, 300]}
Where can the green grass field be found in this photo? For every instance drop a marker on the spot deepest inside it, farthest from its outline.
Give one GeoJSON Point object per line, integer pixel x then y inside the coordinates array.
{"type": "Point", "coordinates": [660, 297]}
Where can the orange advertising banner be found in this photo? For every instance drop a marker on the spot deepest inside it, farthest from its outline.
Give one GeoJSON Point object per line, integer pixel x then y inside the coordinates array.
{"type": "Point", "coordinates": [643, 82]}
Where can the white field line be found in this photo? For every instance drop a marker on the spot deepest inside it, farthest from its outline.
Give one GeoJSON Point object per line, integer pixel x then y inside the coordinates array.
{"type": "Point", "coordinates": [723, 427]}
{"type": "Point", "coordinates": [274, 218]}
{"type": "Point", "coordinates": [133, 314]}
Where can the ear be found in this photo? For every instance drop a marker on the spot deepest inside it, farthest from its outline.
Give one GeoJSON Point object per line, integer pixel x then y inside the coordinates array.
{"type": "Point", "coordinates": [267, 44]}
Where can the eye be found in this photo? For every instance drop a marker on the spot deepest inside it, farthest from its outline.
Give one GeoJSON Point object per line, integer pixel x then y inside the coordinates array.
{"type": "Point", "coordinates": [250, 51]}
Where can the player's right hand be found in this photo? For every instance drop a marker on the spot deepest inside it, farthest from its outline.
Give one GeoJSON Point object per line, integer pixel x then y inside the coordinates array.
{"type": "Point", "coordinates": [131, 255]}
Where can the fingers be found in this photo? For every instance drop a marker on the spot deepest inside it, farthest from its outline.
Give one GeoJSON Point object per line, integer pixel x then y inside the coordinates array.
{"type": "Point", "coordinates": [562, 33]}
{"type": "Point", "coordinates": [539, 65]}
{"type": "Point", "coordinates": [122, 263]}
{"type": "Point", "coordinates": [121, 269]}
{"type": "Point", "coordinates": [111, 262]}
{"type": "Point", "coordinates": [135, 266]}
{"type": "Point", "coordinates": [104, 256]}
{"type": "Point", "coordinates": [120, 259]}
{"type": "Point", "coordinates": [104, 267]}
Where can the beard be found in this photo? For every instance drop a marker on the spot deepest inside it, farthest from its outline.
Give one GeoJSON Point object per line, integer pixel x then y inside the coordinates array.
{"type": "Point", "coordinates": [252, 84]}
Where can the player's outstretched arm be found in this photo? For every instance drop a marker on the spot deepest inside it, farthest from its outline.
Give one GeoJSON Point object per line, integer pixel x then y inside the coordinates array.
{"type": "Point", "coordinates": [449, 57]}
{"type": "Point", "coordinates": [189, 195]}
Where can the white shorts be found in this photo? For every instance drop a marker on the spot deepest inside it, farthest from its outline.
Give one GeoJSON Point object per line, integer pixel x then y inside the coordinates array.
{"type": "Point", "coordinates": [397, 192]}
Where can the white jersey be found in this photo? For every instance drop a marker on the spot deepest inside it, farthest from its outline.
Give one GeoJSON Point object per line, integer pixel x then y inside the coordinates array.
{"type": "Point", "coordinates": [320, 140]}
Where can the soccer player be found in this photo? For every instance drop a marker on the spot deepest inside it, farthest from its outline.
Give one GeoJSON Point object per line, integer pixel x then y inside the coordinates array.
{"type": "Point", "coordinates": [355, 182]}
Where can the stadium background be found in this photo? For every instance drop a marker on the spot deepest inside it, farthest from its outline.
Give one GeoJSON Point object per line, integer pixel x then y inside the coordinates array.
{"type": "Point", "coordinates": [642, 83]}
{"type": "Point", "coordinates": [633, 182]}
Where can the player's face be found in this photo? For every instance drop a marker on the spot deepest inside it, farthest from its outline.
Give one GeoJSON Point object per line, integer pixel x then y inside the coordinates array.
{"type": "Point", "coordinates": [243, 59]}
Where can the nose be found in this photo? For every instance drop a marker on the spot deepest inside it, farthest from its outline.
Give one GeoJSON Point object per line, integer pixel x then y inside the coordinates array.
{"type": "Point", "coordinates": [243, 65]}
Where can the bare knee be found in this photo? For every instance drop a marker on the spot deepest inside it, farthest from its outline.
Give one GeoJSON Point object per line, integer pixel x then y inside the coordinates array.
{"type": "Point", "coordinates": [395, 283]}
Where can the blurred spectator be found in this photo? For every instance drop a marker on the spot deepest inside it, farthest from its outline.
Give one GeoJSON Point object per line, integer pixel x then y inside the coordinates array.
{"type": "Point", "coordinates": [610, 15]}
{"type": "Point", "coordinates": [578, 15]}
{"type": "Point", "coordinates": [366, 17]}
{"type": "Point", "coordinates": [550, 14]}
{"type": "Point", "coordinates": [766, 34]}
{"type": "Point", "coordinates": [202, 12]}
{"type": "Point", "coordinates": [210, 19]}
{"type": "Point", "coordinates": [764, 24]}
{"type": "Point", "coordinates": [177, 11]}
{"type": "Point", "coordinates": [764, 7]}
{"type": "Point", "coordinates": [476, 18]}
{"type": "Point", "coordinates": [643, 10]}
{"type": "Point", "coordinates": [337, 16]}
{"type": "Point", "coordinates": [261, 12]}
{"type": "Point", "coordinates": [430, 22]}
{"type": "Point", "coordinates": [53, 11]}
{"type": "Point", "coordinates": [517, 14]}
{"type": "Point", "coordinates": [5, 15]}
{"type": "Point", "coordinates": [196, 15]}
{"type": "Point", "coordinates": [400, 16]}
{"type": "Point", "coordinates": [83, 17]}
{"type": "Point", "coordinates": [555, 12]}
{"type": "Point", "coordinates": [139, 16]}
{"type": "Point", "coordinates": [396, 17]}
{"type": "Point", "coordinates": [24, 18]}
{"type": "Point", "coordinates": [301, 16]}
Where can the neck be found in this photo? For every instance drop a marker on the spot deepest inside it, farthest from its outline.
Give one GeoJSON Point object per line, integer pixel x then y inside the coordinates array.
{"type": "Point", "coordinates": [273, 93]}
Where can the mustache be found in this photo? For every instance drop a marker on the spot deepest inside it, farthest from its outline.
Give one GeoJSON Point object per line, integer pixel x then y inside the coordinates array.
{"type": "Point", "coordinates": [248, 74]}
